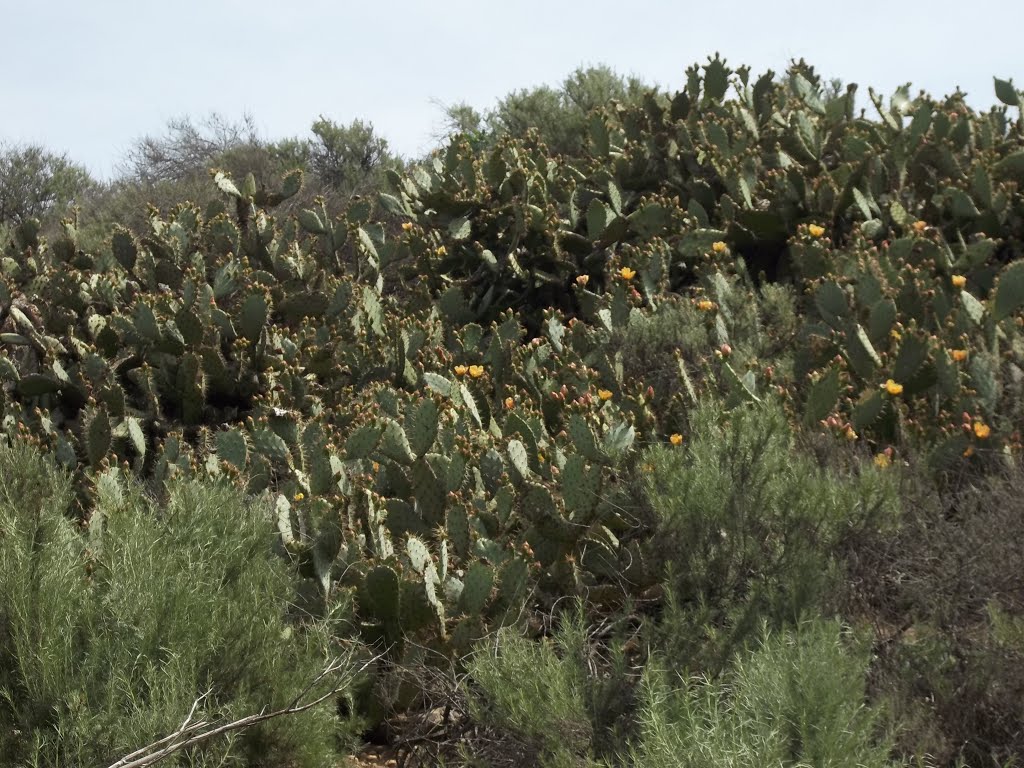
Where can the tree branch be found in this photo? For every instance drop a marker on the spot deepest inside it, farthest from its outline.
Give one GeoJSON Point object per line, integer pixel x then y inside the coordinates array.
{"type": "Point", "coordinates": [190, 734]}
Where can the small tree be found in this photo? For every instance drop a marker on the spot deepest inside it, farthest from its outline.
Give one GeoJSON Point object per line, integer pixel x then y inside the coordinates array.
{"type": "Point", "coordinates": [347, 159]}
{"type": "Point", "coordinates": [35, 182]}
{"type": "Point", "coordinates": [187, 149]}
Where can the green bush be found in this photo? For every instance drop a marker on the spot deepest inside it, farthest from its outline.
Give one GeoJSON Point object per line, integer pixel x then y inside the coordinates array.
{"type": "Point", "coordinates": [744, 528]}
{"type": "Point", "coordinates": [796, 701]}
{"type": "Point", "coordinates": [109, 636]}
{"type": "Point", "coordinates": [531, 691]}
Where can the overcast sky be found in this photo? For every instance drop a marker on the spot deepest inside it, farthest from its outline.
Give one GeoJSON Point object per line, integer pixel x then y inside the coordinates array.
{"type": "Point", "coordinates": [87, 77]}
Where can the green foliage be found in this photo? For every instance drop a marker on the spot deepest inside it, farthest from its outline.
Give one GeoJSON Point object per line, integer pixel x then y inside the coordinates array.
{"type": "Point", "coordinates": [556, 115]}
{"type": "Point", "coordinates": [35, 183]}
{"type": "Point", "coordinates": [531, 691]}
{"type": "Point", "coordinates": [110, 634]}
{"type": "Point", "coordinates": [349, 159]}
{"type": "Point", "coordinates": [744, 528]}
{"type": "Point", "coordinates": [795, 700]}
{"type": "Point", "coordinates": [662, 354]}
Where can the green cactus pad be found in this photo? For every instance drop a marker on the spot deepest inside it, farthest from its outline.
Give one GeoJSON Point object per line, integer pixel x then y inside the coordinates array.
{"type": "Point", "coordinates": [476, 589]}
{"type": "Point", "coordinates": [96, 434]}
{"type": "Point", "coordinates": [418, 553]}
{"type": "Point", "coordinates": [363, 440]}
{"type": "Point", "coordinates": [402, 519]}
{"type": "Point", "coordinates": [421, 425]}
{"type": "Point", "coordinates": [253, 318]}
{"type": "Point", "coordinates": [519, 460]}
{"type": "Point", "coordinates": [383, 593]}
{"type": "Point", "coordinates": [492, 466]}
{"type": "Point", "coordinates": [913, 353]}
{"type": "Point", "coordinates": [270, 445]}
{"type": "Point", "coordinates": [232, 447]}
{"type": "Point", "coordinates": [394, 444]}
{"type": "Point", "coordinates": [583, 439]}
{"type": "Point", "coordinates": [822, 397]}
{"type": "Point", "coordinates": [457, 527]}
{"type": "Point", "coordinates": [1009, 291]}
{"type": "Point", "coordinates": [429, 493]}
{"type": "Point", "coordinates": [580, 485]}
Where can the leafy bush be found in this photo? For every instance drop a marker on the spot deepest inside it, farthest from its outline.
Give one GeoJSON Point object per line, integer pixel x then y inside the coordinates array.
{"type": "Point", "coordinates": [109, 636]}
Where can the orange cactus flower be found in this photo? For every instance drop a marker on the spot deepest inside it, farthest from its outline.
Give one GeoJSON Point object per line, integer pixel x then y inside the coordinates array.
{"type": "Point", "coordinates": [510, 403]}
{"type": "Point", "coordinates": [604, 394]}
{"type": "Point", "coordinates": [959, 281]}
{"type": "Point", "coordinates": [982, 430]}
{"type": "Point", "coordinates": [705, 305]}
{"type": "Point", "coordinates": [676, 439]}
{"type": "Point", "coordinates": [958, 354]}
{"type": "Point", "coordinates": [816, 230]}
{"type": "Point", "coordinates": [919, 226]}
{"type": "Point", "coordinates": [893, 388]}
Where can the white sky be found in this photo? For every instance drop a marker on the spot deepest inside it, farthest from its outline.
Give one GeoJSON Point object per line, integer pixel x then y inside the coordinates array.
{"type": "Point", "coordinates": [89, 76]}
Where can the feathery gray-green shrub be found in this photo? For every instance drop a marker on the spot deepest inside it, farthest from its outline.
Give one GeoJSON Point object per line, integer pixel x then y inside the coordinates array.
{"type": "Point", "coordinates": [107, 636]}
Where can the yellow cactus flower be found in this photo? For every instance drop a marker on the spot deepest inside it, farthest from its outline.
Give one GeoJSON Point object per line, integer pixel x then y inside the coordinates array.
{"type": "Point", "coordinates": [460, 370]}
{"type": "Point", "coordinates": [816, 230]}
{"type": "Point", "coordinates": [676, 439]}
{"type": "Point", "coordinates": [376, 466]}
{"type": "Point", "coordinates": [982, 430]}
{"type": "Point", "coordinates": [476, 371]}
{"type": "Point", "coordinates": [896, 335]}
{"type": "Point", "coordinates": [627, 273]}
{"type": "Point", "coordinates": [604, 394]}
{"type": "Point", "coordinates": [958, 354]}
{"type": "Point", "coordinates": [704, 305]}
{"type": "Point", "coordinates": [299, 496]}
{"type": "Point", "coordinates": [893, 388]}
{"type": "Point", "coordinates": [850, 434]}
{"type": "Point", "coordinates": [882, 460]}
{"type": "Point", "coordinates": [718, 246]}
{"type": "Point", "coordinates": [441, 251]}
{"type": "Point", "coordinates": [510, 403]}
{"type": "Point", "coordinates": [406, 226]}
{"type": "Point", "coordinates": [959, 281]}
{"type": "Point", "coordinates": [582, 279]}
{"type": "Point", "coordinates": [919, 226]}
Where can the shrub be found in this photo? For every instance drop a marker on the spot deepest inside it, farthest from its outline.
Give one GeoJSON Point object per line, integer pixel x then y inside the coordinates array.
{"type": "Point", "coordinates": [744, 528]}
{"type": "Point", "coordinates": [797, 700]}
{"type": "Point", "coordinates": [946, 591]}
{"type": "Point", "coordinates": [109, 637]}
{"type": "Point", "coordinates": [528, 690]}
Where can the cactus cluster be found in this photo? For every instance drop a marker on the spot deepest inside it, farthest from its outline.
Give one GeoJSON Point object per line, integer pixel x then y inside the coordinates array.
{"type": "Point", "coordinates": [444, 452]}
